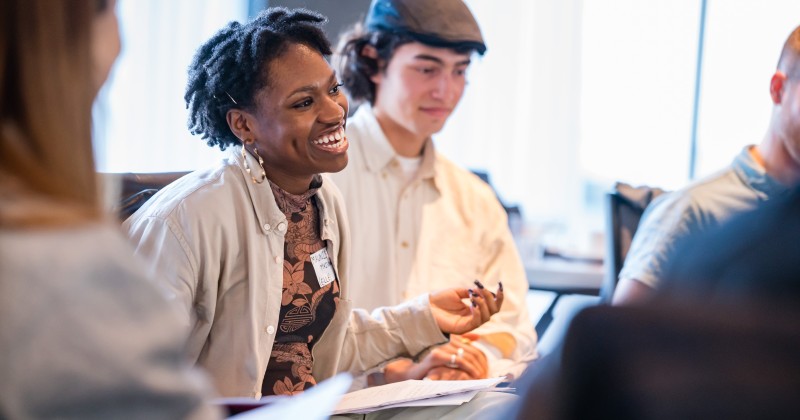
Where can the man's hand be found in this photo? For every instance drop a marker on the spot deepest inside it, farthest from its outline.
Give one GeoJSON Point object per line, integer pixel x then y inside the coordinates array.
{"type": "Point", "coordinates": [456, 360]}
{"type": "Point", "coordinates": [455, 317]}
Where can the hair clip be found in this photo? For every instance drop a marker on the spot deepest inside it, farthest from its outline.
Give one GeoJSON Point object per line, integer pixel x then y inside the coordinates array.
{"type": "Point", "coordinates": [232, 100]}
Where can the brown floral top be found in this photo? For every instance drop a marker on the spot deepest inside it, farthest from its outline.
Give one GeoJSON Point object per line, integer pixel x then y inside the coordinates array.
{"type": "Point", "coordinates": [310, 295]}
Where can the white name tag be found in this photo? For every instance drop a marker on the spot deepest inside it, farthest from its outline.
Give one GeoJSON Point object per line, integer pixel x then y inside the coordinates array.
{"type": "Point", "coordinates": [323, 267]}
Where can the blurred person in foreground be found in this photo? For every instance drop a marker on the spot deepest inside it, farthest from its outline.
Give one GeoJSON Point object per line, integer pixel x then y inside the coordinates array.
{"type": "Point", "coordinates": [85, 334]}
{"type": "Point", "coordinates": [758, 174]}
{"type": "Point", "coordinates": [420, 222]}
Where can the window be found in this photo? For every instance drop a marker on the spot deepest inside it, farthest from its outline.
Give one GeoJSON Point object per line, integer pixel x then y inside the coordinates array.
{"type": "Point", "coordinates": [577, 94]}
{"type": "Point", "coordinates": [743, 42]}
{"type": "Point", "coordinates": [141, 118]}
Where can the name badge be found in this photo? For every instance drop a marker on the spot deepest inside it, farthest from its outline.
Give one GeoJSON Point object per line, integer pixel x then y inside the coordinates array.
{"type": "Point", "coordinates": [323, 267]}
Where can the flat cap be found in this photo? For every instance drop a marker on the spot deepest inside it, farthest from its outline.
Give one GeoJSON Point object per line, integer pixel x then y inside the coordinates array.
{"type": "Point", "coordinates": [439, 23]}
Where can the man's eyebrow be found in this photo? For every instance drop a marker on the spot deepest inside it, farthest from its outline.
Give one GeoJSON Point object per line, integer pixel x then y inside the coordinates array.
{"type": "Point", "coordinates": [438, 60]}
{"type": "Point", "coordinates": [427, 57]}
{"type": "Point", "coordinates": [311, 88]}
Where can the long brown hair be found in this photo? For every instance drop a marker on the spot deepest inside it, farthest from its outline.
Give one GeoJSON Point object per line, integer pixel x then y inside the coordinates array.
{"type": "Point", "coordinates": [47, 172]}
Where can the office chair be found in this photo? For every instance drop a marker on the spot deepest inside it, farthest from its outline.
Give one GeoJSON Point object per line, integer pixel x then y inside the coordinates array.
{"type": "Point", "coordinates": [137, 188]}
{"type": "Point", "coordinates": [624, 208]}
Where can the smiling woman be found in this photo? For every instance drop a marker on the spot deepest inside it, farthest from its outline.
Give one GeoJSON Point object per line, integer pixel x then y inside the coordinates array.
{"type": "Point", "coordinates": [257, 250]}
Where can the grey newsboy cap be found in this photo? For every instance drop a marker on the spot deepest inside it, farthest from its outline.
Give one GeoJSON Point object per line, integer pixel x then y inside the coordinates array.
{"type": "Point", "coordinates": [440, 23]}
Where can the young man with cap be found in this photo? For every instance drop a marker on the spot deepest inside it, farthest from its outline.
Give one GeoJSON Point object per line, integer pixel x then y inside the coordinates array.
{"type": "Point", "coordinates": [419, 222]}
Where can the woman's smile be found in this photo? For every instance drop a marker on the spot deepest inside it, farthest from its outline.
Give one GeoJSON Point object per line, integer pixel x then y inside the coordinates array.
{"type": "Point", "coordinates": [334, 141]}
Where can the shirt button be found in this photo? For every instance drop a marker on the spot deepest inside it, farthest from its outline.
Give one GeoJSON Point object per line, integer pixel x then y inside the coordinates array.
{"type": "Point", "coordinates": [267, 226]}
{"type": "Point", "coordinates": [277, 259]}
{"type": "Point", "coordinates": [383, 174]}
{"type": "Point", "coordinates": [327, 222]}
{"type": "Point", "coordinates": [270, 330]}
{"type": "Point", "coordinates": [282, 227]}
{"type": "Point", "coordinates": [404, 244]}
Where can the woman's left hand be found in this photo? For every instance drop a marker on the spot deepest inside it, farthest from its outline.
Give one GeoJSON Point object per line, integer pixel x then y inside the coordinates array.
{"type": "Point", "coordinates": [455, 317]}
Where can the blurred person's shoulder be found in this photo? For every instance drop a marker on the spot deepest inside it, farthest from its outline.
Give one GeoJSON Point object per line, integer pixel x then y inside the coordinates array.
{"type": "Point", "coordinates": [66, 257]}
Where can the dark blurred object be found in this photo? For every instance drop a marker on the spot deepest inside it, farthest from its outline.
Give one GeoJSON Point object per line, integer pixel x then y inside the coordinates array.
{"type": "Point", "coordinates": [137, 188]}
{"type": "Point", "coordinates": [720, 340]}
{"type": "Point", "coordinates": [753, 259]}
{"type": "Point", "coordinates": [671, 363]}
{"type": "Point", "coordinates": [624, 208]}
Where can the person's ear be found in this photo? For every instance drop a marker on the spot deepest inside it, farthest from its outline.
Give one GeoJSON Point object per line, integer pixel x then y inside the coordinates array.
{"type": "Point", "coordinates": [239, 123]}
{"type": "Point", "coordinates": [370, 52]}
{"type": "Point", "coordinates": [776, 86]}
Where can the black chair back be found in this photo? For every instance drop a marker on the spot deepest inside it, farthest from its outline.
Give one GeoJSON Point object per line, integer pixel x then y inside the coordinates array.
{"type": "Point", "coordinates": [624, 208]}
{"type": "Point", "coordinates": [137, 188]}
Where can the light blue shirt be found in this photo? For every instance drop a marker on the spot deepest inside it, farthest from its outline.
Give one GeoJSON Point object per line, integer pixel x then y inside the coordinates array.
{"type": "Point", "coordinates": [701, 205]}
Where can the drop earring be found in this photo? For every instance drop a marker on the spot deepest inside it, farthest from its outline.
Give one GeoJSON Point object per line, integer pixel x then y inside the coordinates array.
{"type": "Point", "coordinates": [260, 163]}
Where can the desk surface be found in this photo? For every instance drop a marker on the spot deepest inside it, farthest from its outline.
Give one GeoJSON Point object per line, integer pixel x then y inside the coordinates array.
{"type": "Point", "coordinates": [561, 275]}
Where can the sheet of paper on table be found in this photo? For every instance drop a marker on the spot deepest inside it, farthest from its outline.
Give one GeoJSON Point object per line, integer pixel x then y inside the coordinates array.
{"type": "Point", "coordinates": [452, 399]}
{"type": "Point", "coordinates": [419, 392]}
{"type": "Point", "coordinates": [315, 404]}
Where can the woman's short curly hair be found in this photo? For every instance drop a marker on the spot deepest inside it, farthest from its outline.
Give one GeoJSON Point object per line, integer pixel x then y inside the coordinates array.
{"type": "Point", "coordinates": [230, 68]}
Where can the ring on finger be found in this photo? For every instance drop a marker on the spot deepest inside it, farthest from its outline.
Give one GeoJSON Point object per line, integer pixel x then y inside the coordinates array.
{"type": "Point", "coordinates": [452, 363]}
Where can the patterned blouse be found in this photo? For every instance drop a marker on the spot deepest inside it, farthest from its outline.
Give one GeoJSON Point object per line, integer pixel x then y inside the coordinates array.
{"type": "Point", "coordinates": [310, 295]}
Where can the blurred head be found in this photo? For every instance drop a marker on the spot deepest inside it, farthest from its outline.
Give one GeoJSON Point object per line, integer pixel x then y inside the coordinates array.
{"type": "Point", "coordinates": [54, 56]}
{"type": "Point", "coordinates": [785, 93]}
{"type": "Point", "coordinates": [266, 84]}
{"type": "Point", "coordinates": [409, 60]}
{"type": "Point", "coordinates": [105, 41]}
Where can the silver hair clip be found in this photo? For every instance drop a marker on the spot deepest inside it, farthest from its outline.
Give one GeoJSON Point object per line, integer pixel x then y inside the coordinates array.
{"type": "Point", "coordinates": [232, 100]}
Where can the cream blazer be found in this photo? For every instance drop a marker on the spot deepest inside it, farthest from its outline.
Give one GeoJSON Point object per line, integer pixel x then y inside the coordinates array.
{"type": "Point", "coordinates": [215, 239]}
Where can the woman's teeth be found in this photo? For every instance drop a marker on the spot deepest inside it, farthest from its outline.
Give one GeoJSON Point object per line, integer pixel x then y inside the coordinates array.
{"type": "Point", "coordinates": [332, 140]}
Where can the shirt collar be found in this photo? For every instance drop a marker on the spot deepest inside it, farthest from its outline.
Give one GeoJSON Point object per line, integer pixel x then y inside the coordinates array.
{"type": "Point", "coordinates": [264, 205]}
{"type": "Point", "coordinates": [753, 174]}
{"type": "Point", "coordinates": [294, 203]}
{"type": "Point", "coordinates": [379, 153]}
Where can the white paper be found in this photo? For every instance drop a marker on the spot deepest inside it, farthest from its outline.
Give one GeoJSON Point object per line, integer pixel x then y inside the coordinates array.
{"type": "Point", "coordinates": [452, 399]}
{"type": "Point", "coordinates": [380, 397]}
{"type": "Point", "coordinates": [313, 404]}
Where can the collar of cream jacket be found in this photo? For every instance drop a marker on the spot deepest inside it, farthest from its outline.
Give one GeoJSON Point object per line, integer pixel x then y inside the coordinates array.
{"type": "Point", "coordinates": [266, 209]}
